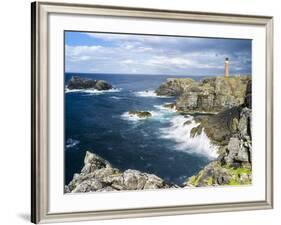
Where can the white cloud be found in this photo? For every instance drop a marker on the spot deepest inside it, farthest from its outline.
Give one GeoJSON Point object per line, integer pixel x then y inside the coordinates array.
{"type": "Point", "coordinates": [128, 61]}
{"type": "Point", "coordinates": [151, 54]}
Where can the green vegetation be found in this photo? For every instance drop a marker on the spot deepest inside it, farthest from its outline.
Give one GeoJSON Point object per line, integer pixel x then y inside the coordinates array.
{"type": "Point", "coordinates": [231, 176]}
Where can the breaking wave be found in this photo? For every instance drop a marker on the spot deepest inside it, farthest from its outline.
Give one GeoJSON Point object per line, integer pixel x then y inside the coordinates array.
{"type": "Point", "coordinates": [92, 91]}
{"type": "Point", "coordinates": [70, 143]}
{"type": "Point", "coordinates": [116, 98]}
{"type": "Point", "coordinates": [180, 131]}
{"type": "Point", "coordinates": [127, 116]}
{"type": "Point", "coordinates": [149, 93]}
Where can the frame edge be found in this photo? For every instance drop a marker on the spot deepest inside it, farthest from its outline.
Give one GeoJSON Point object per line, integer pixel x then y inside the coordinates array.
{"type": "Point", "coordinates": [34, 63]}
{"type": "Point", "coordinates": [39, 213]}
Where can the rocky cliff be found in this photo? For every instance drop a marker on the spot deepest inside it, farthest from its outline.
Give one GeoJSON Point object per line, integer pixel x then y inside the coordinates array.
{"type": "Point", "coordinates": [231, 131]}
{"type": "Point", "coordinates": [229, 128]}
{"type": "Point", "coordinates": [98, 175]}
{"type": "Point", "coordinates": [208, 95]}
{"type": "Point", "coordinates": [77, 82]}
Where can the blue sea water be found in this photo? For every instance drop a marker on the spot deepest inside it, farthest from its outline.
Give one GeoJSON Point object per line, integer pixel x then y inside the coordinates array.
{"type": "Point", "coordinates": [98, 122]}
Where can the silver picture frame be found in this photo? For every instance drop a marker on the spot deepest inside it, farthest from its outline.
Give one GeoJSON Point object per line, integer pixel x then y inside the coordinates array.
{"type": "Point", "coordinates": [40, 105]}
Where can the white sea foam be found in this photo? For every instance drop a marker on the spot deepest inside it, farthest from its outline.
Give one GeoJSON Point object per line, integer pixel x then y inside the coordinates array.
{"type": "Point", "coordinates": [149, 93]}
{"type": "Point", "coordinates": [92, 91]}
{"type": "Point", "coordinates": [159, 115]}
{"type": "Point", "coordinates": [134, 118]}
{"type": "Point", "coordinates": [115, 97]}
{"type": "Point", "coordinates": [70, 143]}
{"type": "Point", "coordinates": [180, 132]}
{"type": "Point", "coordinates": [165, 109]}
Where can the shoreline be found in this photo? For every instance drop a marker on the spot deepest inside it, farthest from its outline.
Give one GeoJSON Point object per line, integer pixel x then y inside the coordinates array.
{"type": "Point", "coordinates": [232, 166]}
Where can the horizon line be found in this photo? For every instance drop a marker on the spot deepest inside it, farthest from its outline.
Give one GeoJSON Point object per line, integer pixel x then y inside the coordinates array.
{"type": "Point", "coordinates": [147, 74]}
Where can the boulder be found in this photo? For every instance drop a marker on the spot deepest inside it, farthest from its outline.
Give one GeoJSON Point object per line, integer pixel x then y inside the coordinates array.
{"type": "Point", "coordinates": [102, 85]}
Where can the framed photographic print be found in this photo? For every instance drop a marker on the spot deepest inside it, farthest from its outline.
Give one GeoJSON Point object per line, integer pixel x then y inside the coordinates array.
{"type": "Point", "coordinates": [146, 112]}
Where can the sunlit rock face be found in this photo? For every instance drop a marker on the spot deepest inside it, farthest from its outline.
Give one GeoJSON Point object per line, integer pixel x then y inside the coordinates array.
{"type": "Point", "coordinates": [208, 95]}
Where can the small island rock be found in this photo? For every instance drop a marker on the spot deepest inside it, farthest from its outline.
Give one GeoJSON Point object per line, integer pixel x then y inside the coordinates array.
{"type": "Point", "coordinates": [77, 82]}
{"type": "Point", "coordinates": [140, 114]}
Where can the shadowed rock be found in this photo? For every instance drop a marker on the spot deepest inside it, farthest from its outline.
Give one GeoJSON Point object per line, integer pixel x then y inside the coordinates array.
{"type": "Point", "coordinates": [231, 130]}
{"type": "Point", "coordinates": [140, 114]}
{"type": "Point", "coordinates": [77, 82]}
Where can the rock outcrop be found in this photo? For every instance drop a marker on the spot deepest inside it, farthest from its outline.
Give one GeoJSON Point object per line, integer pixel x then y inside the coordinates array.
{"type": "Point", "coordinates": [208, 95]}
{"type": "Point", "coordinates": [169, 105]}
{"type": "Point", "coordinates": [140, 114]}
{"type": "Point", "coordinates": [98, 175]}
{"type": "Point", "coordinates": [174, 86]}
{"type": "Point", "coordinates": [231, 130]}
{"type": "Point", "coordinates": [77, 82]}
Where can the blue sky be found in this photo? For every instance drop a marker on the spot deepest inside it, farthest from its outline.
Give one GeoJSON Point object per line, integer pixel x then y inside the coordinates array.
{"type": "Point", "coordinates": [147, 54]}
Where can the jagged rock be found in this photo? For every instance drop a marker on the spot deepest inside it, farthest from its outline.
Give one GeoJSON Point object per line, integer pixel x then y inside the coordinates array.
{"type": "Point", "coordinates": [102, 85]}
{"type": "Point", "coordinates": [154, 182]}
{"type": "Point", "coordinates": [219, 127]}
{"type": "Point", "coordinates": [99, 176]}
{"type": "Point", "coordinates": [248, 97]}
{"type": "Point", "coordinates": [77, 82]}
{"type": "Point", "coordinates": [140, 114]}
{"type": "Point", "coordinates": [93, 162]}
{"type": "Point", "coordinates": [236, 152]}
{"type": "Point", "coordinates": [209, 95]}
{"type": "Point", "coordinates": [245, 122]}
{"type": "Point", "coordinates": [231, 130]}
{"type": "Point", "coordinates": [134, 180]}
{"type": "Point", "coordinates": [174, 86]}
{"type": "Point", "coordinates": [215, 174]}
{"type": "Point", "coordinates": [169, 105]}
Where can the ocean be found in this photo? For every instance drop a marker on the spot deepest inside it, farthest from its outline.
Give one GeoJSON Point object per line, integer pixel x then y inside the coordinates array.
{"type": "Point", "coordinates": [98, 121]}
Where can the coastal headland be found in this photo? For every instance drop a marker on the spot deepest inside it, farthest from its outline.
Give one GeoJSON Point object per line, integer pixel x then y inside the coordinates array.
{"type": "Point", "coordinates": [222, 108]}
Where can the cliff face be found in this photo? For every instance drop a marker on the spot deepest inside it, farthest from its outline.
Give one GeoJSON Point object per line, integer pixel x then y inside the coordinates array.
{"type": "Point", "coordinates": [209, 95]}
{"type": "Point", "coordinates": [231, 130]}
{"type": "Point", "coordinates": [98, 175]}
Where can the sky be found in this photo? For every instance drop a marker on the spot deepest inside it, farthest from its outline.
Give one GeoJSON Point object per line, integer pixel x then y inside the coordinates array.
{"type": "Point", "coordinates": [150, 54]}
